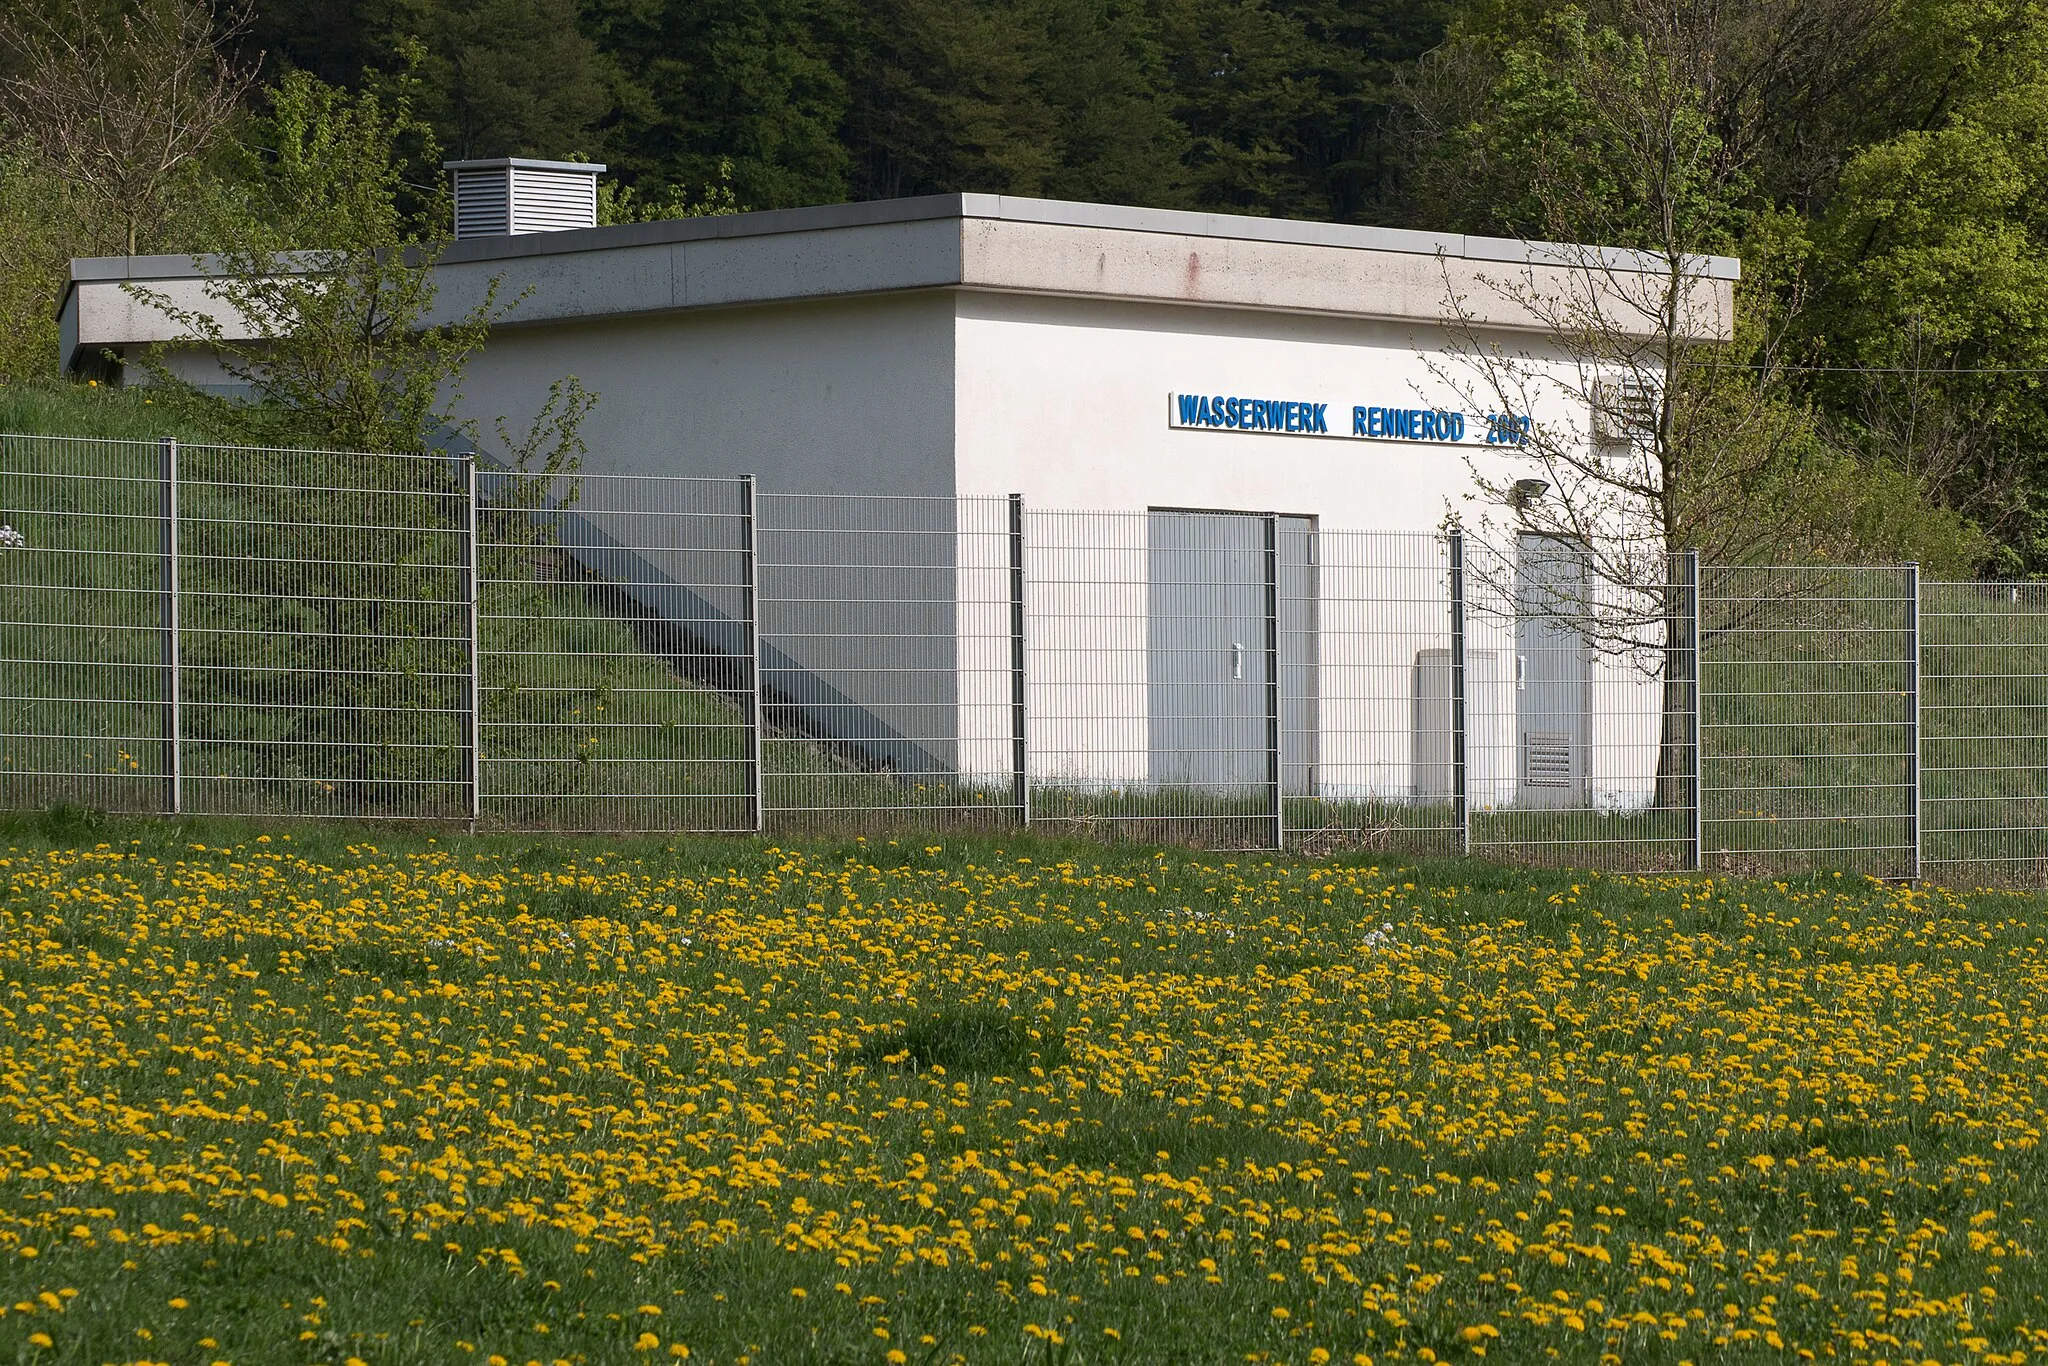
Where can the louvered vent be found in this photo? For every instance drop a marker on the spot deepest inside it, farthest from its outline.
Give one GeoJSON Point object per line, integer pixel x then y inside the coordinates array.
{"type": "Point", "coordinates": [1547, 758]}
{"type": "Point", "coordinates": [511, 195]}
{"type": "Point", "coordinates": [1624, 411]}
{"type": "Point", "coordinates": [483, 201]}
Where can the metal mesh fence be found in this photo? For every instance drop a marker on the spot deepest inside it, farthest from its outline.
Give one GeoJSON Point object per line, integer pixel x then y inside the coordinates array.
{"type": "Point", "coordinates": [233, 630]}
{"type": "Point", "coordinates": [615, 643]}
{"type": "Point", "coordinates": [1809, 719]}
{"type": "Point", "coordinates": [321, 634]}
{"type": "Point", "coordinates": [1983, 798]}
{"type": "Point", "coordinates": [886, 659]}
{"type": "Point", "coordinates": [83, 644]}
{"type": "Point", "coordinates": [1581, 713]}
{"type": "Point", "coordinates": [1367, 724]}
{"type": "Point", "coordinates": [1153, 670]}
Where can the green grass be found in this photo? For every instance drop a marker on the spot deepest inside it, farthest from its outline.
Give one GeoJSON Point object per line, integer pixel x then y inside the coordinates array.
{"type": "Point", "coordinates": [62, 408]}
{"type": "Point", "coordinates": [518, 1091]}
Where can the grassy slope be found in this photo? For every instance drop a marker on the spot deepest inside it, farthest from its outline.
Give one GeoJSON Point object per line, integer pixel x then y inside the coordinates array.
{"type": "Point", "coordinates": [515, 1096]}
{"type": "Point", "coordinates": [583, 727]}
{"type": "Point", "coordinates": [64, 409]}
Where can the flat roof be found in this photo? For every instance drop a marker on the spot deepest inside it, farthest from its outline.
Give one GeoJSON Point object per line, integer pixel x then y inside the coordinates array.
{"type": "Point", "coordinates": [995, 208]}
{"type": "Point", "coordinates": [972, 242]}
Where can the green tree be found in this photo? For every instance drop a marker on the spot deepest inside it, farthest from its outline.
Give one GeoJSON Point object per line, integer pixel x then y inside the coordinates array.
{"type": "Point", "coordinates": [1060, 98]}
{"type": "Point", "coordinates": [505, 77]}
{"type": "Point", "coordinates": [354, 353]}
{"type": "Point", "coordinates": [37, 217]}
{"type": "Point", "coordinates": [1935, 250]}
{"type": "Point", "coordinates": [950, 101]}
{"type": "Point", "coordinates": [1101, 68]}
{"type": "Point", "coordinates": [761, 83]}
{"type": "Point", "coordinates": [1242, 92]}
{"type": "Point", "coordinates": [340, 576]}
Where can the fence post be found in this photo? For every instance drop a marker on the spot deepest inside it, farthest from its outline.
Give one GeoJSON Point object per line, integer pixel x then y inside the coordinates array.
{"type": "Point", "coordinates": [750, 696]}
{"type": "Point", "coordinates": [472, 591]}
{"type": "Point", "coordinates": [1913, 684]}
{"type": "Point", "coordinates": [174, 710]}
{"type": "Point", "coordinates": [1020, 773]}
{"type": "Point", "coordinates": [1461, 809]}
{"type": "Point", "coordinates": [1696, 783]}
{"type": "Point", "coordinates": [1276, 794]}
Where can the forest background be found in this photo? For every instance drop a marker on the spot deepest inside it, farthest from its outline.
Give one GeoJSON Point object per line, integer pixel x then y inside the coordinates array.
{"type": "Point", "coordinates": [1881, 166]}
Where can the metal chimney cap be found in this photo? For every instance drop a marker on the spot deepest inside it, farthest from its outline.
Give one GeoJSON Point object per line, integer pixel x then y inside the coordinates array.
{"type": "Point", "coordinates": [524, 164]}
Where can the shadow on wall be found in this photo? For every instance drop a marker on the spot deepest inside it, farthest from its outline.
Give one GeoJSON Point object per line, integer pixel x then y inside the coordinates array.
{"type": "Point", "coordinates": [684, 598]}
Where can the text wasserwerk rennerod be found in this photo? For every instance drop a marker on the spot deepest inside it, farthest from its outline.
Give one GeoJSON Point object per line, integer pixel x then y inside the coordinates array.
{"type": "Point", "coordinates": [1296, 417]}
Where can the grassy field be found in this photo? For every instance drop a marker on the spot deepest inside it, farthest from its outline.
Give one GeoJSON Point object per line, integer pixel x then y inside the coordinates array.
{"type": "Point", "coordinates": [332, 1095]}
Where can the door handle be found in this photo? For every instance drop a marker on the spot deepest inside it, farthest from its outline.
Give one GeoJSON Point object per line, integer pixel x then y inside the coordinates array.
{"type": "Point", "coordinates": [1236, 660]}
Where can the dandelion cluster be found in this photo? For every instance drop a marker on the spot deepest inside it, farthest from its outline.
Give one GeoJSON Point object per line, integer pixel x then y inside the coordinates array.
{"type": "Point", "coordinates": [892, 1104]}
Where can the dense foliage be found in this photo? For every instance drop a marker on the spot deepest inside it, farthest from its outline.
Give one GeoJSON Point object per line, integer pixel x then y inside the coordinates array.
{"type": "Point", "coordinates": [1877, 162]}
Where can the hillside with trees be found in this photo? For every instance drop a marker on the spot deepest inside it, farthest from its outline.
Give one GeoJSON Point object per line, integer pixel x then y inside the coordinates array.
{"type": "Point", "coordinates": [1880, 166]}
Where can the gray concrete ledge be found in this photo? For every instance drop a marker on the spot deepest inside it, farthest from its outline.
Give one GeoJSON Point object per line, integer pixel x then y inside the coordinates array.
{"type": "Point", "coordinates": [972, 242]}
{"type": "Point", "coordinates": [1001, 208]}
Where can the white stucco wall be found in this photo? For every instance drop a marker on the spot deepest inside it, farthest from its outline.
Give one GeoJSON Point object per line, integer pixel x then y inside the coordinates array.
{"type": "Point", "coordinates": [841, 397]}
{"type": "Point", "coordinates": [1065, 401]}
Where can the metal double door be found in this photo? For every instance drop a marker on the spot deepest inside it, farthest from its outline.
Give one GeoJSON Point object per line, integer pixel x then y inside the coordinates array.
{"type": "Point", "coordinates": [1231, 654]}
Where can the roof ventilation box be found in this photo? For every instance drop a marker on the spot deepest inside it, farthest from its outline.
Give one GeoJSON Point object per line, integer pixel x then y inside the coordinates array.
{"type": "Point", "coordinates": [506, 196]}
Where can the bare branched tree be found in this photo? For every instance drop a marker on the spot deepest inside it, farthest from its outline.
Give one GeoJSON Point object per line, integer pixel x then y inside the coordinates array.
{"type": "Point", "coordinates": [1626, 446]}
{"type": "Point", "coordinates": [122, 108]}
{"type": "Point", "coordinates": [1638, 434]}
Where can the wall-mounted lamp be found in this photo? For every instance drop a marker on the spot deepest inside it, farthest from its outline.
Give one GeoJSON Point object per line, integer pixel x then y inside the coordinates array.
{"type": "Point", "coordinates": [1526, 491]}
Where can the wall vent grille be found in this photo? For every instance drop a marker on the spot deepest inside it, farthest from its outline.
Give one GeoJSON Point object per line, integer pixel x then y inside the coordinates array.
{"type": "Point", "coordinates": [1624, 411]}
{"type": "Point", "coordinates": [1547, 758]}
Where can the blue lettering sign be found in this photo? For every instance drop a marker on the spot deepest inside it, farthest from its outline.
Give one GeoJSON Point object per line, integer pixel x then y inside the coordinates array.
{"type": "Point", "coordinates": [1304, 418]}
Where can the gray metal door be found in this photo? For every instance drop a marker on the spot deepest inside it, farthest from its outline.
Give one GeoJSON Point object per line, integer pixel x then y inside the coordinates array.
{"type": "Point", "coordinates": [1553, 671]}
{"type": "Point", "coordinates": [1300, 595]}
{"type": "Point", "coordinates": [1222, 616]}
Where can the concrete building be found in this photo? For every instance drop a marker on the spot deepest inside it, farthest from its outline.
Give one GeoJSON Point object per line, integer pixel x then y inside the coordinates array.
{"type": "Point", "coordinates": [1249, 413]}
